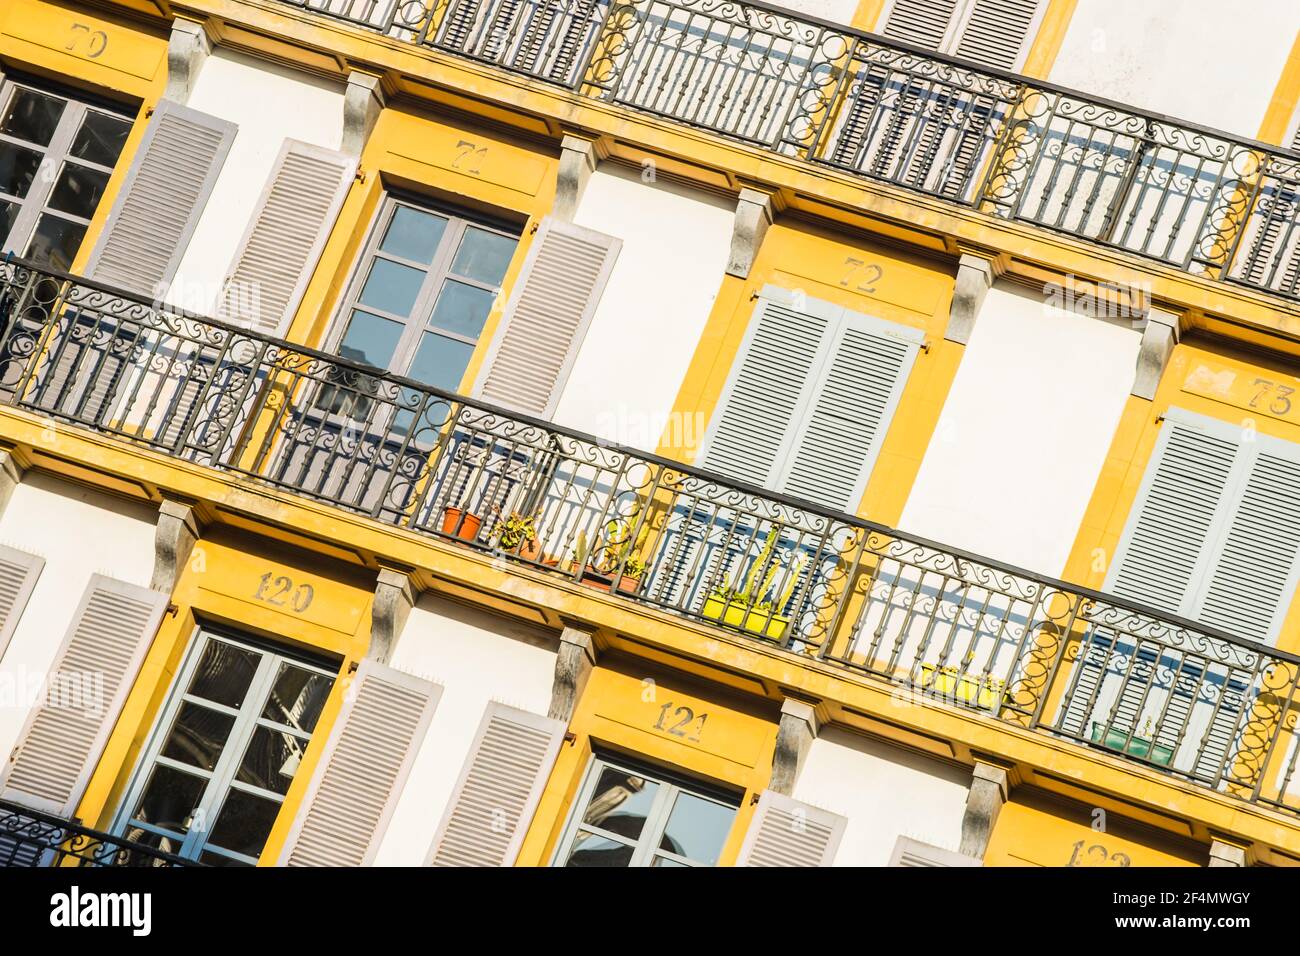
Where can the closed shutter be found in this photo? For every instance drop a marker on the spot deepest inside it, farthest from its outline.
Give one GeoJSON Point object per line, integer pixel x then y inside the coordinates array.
{"type": "Point", "coordinates": [279, 251]}
{"type": "Point", "coordinates": [785, 832]}
{"type": "Point", "coordinates": [922, 23]}
{"type": "Point", "coordinates": [161, 200]}
{"type": "Point", "coordinates": [366, 760]}
{"type": "Point", "coordinates": [459, 24]}
{"type": "Point", "coordinates": [92, 673]}
{"type": "Point", "coordinates": [997, 32]}
{"type": "Point", "coordinates": [909, 852]}
{"type": "Point", "coordinates": [549, 311]}
{"type": "Point", "coordinates": [18, 573]}
{"type": "Point", "coordinates": [492, 805]}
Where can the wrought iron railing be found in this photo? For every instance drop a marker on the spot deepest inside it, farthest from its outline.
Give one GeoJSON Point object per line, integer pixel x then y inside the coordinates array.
{"type": "Point", "coordinates": [1204, 201]}
{"type": "Point", "coordinates": [1015, 646]}
{"type": "Point", "coordinates": [30, 838]}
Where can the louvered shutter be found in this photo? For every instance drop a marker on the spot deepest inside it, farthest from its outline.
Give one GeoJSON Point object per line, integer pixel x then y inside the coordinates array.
{"type": "Point", "coordinates": [549, 311]}
{"type": "Point", "coordinates": [909, 852]}
{"type": "Point", "coordinates": [289, 227]}
{"type": "Point", "coordinates": [18, 573]}
{"type": "Point", "coordinates": [760, 404]}
{"type": "Point", "coordinates": [922, 23]}
{"type": "Point", "coordinates": [997, 32]}
{"type": "Point", "coordinates": [161, 199]}
{"type": "Point", "coordinates": [87, 685]}
{"type": "Point", "coordinates": [459, 24]}
{"type": "Point", "coordinates": [366, 760]}
{"type": "Point", "coordinates": [850, 412]}
{"type": "Point", "coordinates": [785, 832]}
{"type": "Point", "coordinates": [493, 803]}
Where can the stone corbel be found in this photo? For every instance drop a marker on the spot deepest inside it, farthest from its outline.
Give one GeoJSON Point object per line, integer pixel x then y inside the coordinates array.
{"type": "Point", "coordinates": [989, 789]}
{"type": "Point", "coordinates": [573, 664]}
{"type": "Point", "coordinates": [177, 531]}
{"type": "Point", "coordinates": [395, 595]}
{"type": "Point", "coordinates": [187, 50]}
{"type": "Point", "coordinates": [794, 737]}
{"type": "Point", "coordinates": [1227, 854]}
{"type": "Point", "coordinates": [579, 157]}
{"type": "Point", "coordinates": [1162, 332]}
{"type": "Point", "coordinates": [976, 272]}
{"type": "Point", "coordinates": [755, 211]}
{"type": "Point", "coordinates": [11, 475]}
{"type": "Point", "coordinates": [363, 100]}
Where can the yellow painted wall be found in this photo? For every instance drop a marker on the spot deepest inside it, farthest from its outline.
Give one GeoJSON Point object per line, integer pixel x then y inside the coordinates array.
{"type": "Point", "coordinates": [618, 711]}
{"type": "Point", "coordinates": [1276, 123]}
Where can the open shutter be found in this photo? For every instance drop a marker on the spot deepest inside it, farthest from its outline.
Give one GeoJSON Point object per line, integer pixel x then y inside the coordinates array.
{"type": "Point", "coordinates": [785, 832]}
{"type": "Point", "coordinates": [548, 314]}
{"type": "Point", "coordinates": [922, 23]}
{"type": "Point", "coordinates": [18, 573]}
{"type": "Point", "coordinates": [86, 687]}
{"type": "Point", "coordinates": [161, 200]}
{"type": "Point", "coordinates": [289, 227]}
{"type": "Point", "coordinates": [849, 413]}
{"type": "Point", "coordinates": [909, 852]}
{"type": "Point", "coordinates": [997, 32]}
{"type": "Point", "coordinates": [502, 780]}
{"type": "Point", "coordinates": [366, 760]}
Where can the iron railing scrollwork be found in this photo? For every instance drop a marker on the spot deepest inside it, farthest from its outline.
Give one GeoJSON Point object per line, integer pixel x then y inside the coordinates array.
{"type": "Point", "coordinates": [936, 622]}
{"type": "Point", "coordinates": [30, 838]}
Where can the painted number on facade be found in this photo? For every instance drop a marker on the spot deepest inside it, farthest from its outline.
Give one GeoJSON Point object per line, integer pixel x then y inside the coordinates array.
{"type": "Point", "coordinates": [469, 157]}
{"type": "Point", "coordinates": [861, 276]}
{"type": "Point", "coordinates": [91, 43]}
{"type": "Point", "coordinates": [681, 722]}
{"type": "Point", "coordinates": [1097, 855]}
{"type": "Point", "coordinates": [278, 590]}
{"type": "Point", "coordinates": [1270, 395]}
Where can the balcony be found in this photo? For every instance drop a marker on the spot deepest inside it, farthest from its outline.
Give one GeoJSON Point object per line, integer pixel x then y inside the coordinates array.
{"type": "Point", "coordinates": [1202, 201]}
{"type": "Point", "coordinates": [1005, 644]}
{"type": "Point", "coordinates": [30, 838]}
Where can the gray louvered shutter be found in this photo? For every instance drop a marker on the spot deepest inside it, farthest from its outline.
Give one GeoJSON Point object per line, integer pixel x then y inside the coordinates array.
{"type": "Point", "coordinates": [92, 673]}
{"type": "Point", "coordinates": [459, 24]}
{"type": "Point", "coordinates": [922, 23]}
{"type": "Point", "coordinates": [760, 404]}
{"type": "Point", "coordinates": [362, 769]}
{"type": "Point", "coordinates": [997, 32]}
{"type": "Point", "coordinates": [493, 803]}
{"type": "Point", "coordinates": [849, 413]}
{"type": "Point", "coordinates": [909, 852]}
{"type": "Point", "coordinates": [279, 251]}
{"type": "Point", "coordinates": [161, 200]}
{"type": "Point", "coordinates": [18, 573]}
{"type": "Point", "coordinates": [549, 311]}
{"type": "Point", "coordinates": [785, 832]}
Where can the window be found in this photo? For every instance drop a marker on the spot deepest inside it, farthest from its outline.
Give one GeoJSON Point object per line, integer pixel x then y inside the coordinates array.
{"type": "Point", "coordinates": [422, 292]}
{"type": "Point", "coordinates": [627, 816]}
{"type": "Point", "coordinates": [224, 751]}
{"type": "Point", "coordinates": [996, 33]}
{"type": "Point", "coordinates": [56, 154]}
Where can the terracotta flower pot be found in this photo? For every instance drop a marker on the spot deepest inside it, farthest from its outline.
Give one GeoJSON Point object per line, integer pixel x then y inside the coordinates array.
{"type": "Point", "coordinates": [461, 524]}
{"type": "Point", "coordinates": [605, 582]}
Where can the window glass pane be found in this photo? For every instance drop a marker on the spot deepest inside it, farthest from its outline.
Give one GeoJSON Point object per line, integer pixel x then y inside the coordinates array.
{"type": "Point", "coordinates": [220, 859]}
{"type": "Point", "coordinates": [18, 167]}
{"type": "Point", "coordinates": [370, 339]}
{"type": "Point", "coordinates": [78, 189]}
{"type": "Point", "coordinates": [55, 242]}
{"type": "Point", "coordinates": [697, 828]}
{"type": "Point", "coordinates": [271, 760]}
{"type": "Point", "coordinates": [297, 697]}
{"type": "Point", "coordinates": [32, 116]}
{"type": "Point", "coordinates": [440, 361]}
{"type": "Point", "coordinates": [589, 849]}
{"type": "Point", "coordinates": [169, 799]}
{"type": "Point", "coordinates": [8, 212]}
{"type": "Point", "coordinates": [620, 802]}
{"type": "Point", "coordinates": [244, 823]}
{"type": "Point", "coordinates": [462, 309]}
{"type": "Point", "coordinates": [484, 256]}
{"type": "Point", "coordinates": [414, 234]}
{"type": "Point", "coordinates": [224, 673]}
{"type": "Point", "coordinates": [100, 138]}
{"type": "Point", "coordinates": [392, 287]}
{"type": "Point", "coordinates": [139, 835]}
{"type": "Point", "coordinates": [198, 735]}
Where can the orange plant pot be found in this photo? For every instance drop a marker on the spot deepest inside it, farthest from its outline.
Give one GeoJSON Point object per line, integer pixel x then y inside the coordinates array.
{"type": "Point", "coordinates": [465, 528]}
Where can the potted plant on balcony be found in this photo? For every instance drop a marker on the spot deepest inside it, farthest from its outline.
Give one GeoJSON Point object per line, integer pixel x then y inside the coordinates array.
{"type": "Point", "coordinates": [619, 558]}
{"type": "Point", "coordinates": [1142, 747]}
{"type": "Point", "coordinates": [460, 523]}
{"type": "Point", "coordinates": [518, 535]}
{"type": "Point", "coordinates": [754, 607]}
{"type": "Point", "coordinates": [982, 690]}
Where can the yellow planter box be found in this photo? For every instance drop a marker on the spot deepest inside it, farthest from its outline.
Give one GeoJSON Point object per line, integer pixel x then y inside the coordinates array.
{"type": "Point", "coordinates": [745, 618]}
{"type": "Point", "coordinates": [971, 690]}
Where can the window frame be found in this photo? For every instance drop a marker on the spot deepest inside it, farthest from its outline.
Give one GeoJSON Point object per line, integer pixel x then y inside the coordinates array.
{"type": "Point", "coordinates": [645, 849]}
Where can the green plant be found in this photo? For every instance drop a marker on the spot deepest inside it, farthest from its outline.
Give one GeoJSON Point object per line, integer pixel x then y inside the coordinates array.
{"type": "Point", "coordinates": [620, 553]}
{"type": "Point", "coordinates": [757, 591]}
{"type": "Point", "coordinates": [517, 530]}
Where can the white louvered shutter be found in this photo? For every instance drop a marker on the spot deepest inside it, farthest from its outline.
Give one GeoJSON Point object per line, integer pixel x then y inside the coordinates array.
{"type": "Point", "coordinates": [850, 412]}
{"type": "Point", "coordinates": [909, 852]}
{"type": "Point", "coordinates": [998, 32]}
{"type": "Point", "coordinates": [785, 832]}
{"type": "Point", "coordinates": [492, 805]}
{"type": "Point", "coordinates": [88, 682]}
{"type": "Point", "coordinates": [922, 23]}
{"type": "Point", "coordinates": [18, 573]}
{"type": "Point", "coordinates": [161, 200]}
{"type": "Point", "coordinates": [547, 317]}
{"type": "Point", "coordinates": [362, 769]}
{"type": "Point", "coordinates": [283, 243]}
